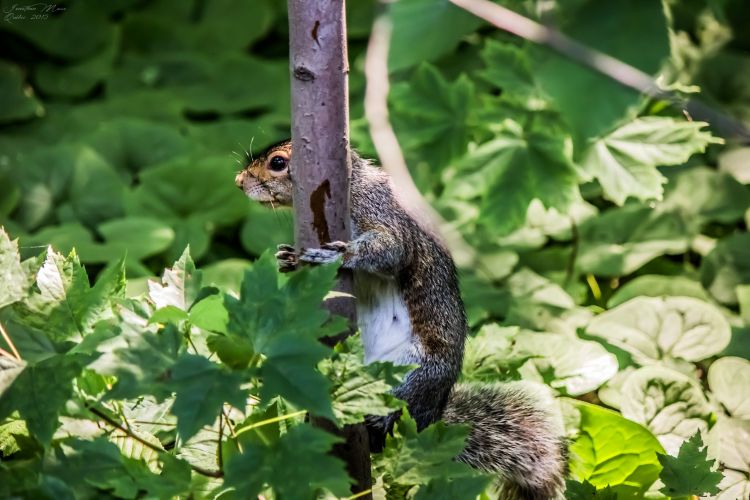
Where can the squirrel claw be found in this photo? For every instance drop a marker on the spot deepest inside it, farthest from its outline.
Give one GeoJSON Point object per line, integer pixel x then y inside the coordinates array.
{"type": "Point", "coordinates": [337, 246]}
{"type": "Point", "coordinates": [287, 258]}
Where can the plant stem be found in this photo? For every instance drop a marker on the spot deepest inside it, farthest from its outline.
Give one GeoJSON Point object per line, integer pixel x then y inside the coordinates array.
{"type": "Point", "coordinates": [117, 425]}
{"type": "Point", "coordinates": [9, 342]}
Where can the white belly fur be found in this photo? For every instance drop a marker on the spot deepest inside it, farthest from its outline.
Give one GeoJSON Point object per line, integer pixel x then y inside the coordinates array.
{"type": "Point", "coordinates": [383, 320]}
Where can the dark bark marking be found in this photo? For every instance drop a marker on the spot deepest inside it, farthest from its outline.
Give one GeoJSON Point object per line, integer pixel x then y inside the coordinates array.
{"type": "Point", "coordinates": [303, 74]}
{"type": "Point", "coordinates": [318, 208]}
{"type": "Point", "coordinates": [314, 32]}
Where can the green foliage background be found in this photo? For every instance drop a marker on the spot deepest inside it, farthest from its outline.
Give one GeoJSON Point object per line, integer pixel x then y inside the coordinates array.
{"type": "Point", "coordinates": [607, 256]}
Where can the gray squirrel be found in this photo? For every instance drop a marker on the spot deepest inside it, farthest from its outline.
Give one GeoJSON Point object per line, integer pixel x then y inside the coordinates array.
{"type": "Point", "coordinates": [409, 311]}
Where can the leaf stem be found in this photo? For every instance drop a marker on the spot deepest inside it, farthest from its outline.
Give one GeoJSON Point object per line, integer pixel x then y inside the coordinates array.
{"type": "Point", "coordinates": [270, 421]}
{"type": "Point", "coordinates": [360, 494]}
{"type": "Point", "coordinates": [117, 425]}
{"type": "Point", "coordinates": [9, 342]}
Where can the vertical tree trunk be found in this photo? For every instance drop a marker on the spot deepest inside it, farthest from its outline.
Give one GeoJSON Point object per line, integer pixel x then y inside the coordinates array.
{"type": "Point", "coordinates": [321, 164]}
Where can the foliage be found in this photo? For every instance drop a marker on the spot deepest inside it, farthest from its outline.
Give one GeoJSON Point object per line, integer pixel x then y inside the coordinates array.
{"type": "Point", "coordinates": [610, 237]}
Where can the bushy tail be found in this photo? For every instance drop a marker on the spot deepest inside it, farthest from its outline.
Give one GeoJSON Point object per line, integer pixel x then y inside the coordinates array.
{"type": "Point", "coordinates": [511, 435]}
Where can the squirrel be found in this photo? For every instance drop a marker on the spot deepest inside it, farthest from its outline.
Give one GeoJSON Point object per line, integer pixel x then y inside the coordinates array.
{"type": "Point", "coordinates": [410, 311]}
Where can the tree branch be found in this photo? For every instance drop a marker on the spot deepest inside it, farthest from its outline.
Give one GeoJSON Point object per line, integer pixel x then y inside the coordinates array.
{"type": "Point", "coordinates": [621, 72]}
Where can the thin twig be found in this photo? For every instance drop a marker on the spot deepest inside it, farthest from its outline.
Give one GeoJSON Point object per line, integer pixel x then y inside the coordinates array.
{"type": "Point", "coordinates": [231, 430]}
{"type": "Point", "coordinates": [386, 144]}
{"type": "Point", "coordinates": [117, 425]}
{"type": "Point", "coordinates": [5, 353]}
{"type": "Point", "coordinates": [9, 342]}
{"type": "Point", "coordinates": [623, 73]}
{"type": "Point", "coordinates": [219, 455]}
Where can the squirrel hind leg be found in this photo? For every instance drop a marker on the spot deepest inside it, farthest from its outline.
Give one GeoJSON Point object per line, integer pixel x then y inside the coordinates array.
{"type": "Point", "coordinates": [512, 436]}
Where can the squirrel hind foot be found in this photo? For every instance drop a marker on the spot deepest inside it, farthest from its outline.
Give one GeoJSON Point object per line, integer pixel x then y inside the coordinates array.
{"type": "Point", "coordinates": [512, 436]}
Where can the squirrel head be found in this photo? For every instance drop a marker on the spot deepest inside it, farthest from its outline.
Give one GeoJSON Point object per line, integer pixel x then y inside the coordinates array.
{"type": "Point", "coordinates": [266, 179]}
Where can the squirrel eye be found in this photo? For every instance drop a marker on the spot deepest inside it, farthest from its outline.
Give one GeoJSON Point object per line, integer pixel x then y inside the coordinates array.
{"type": "Point", "coordinates": [277, 163]}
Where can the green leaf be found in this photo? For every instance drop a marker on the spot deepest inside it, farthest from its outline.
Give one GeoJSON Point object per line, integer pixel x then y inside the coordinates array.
{"type": "Point", "coordinates": [40, 392]}
{"type": "Point", "coordinates": [624, 161]}
{"type": "Point", "coordinates": [691, 472]}
{"type": "Point", "coordinates": [8, 431]}
{"type": "Point", "coordinates": [12, 274]}
{"type": "Point", "coordinates": [664, 328]}
{"type": "Point", "coordinates": [670, 404]}
{"type": "Point", "coordinates": [510, 171]}
{"type": "Point", "coordinates": [585, 490]}
{"type": "Point", "coordinates": [282, 322]}
{"type": "Point", "coordinates": [193, 205]}
{"type": "Point", "coordinates": [727, 266]}
{"type": "Point", "coordinates": [99, 463]}
{"type": "Point", "coordinates": [654, 285]}
{"type": "Point", "coordinates": [140, 359]}
{"type": "Point", "coordinates": [155, 238]}
{"type": "Point", "coordinates": [633, 31]}
{"type": "Point", "coordinates": [620, 241]}
{"type": "Point", "coordinates": [264, 228]}
{"type": "Point", "coordinates": [132, 145]}
{"type": "Point", "coordinates": [16, 102]}
{"type": "Point", "coordinates": [431, 118]}
{"type": "Point", "coordinates": [729, 442]}
{"type": "Point", "coordinates": [80, 78]}
{"type": "Point", "coordinates": [64, 306]}
{"type": "Point", "coordinates": [613, 451]}
{"type": "Point", "coordinates": [729, 380]}
{"type": "Point", "coordinates": [57, 31]}
{"type": "Point", "coordinates": [304, 446]}
{"type": "Point", "coordinates": [10, 369]}
{"type": "Point", "coordinates": [201, 389]}
{"type": "Point", "coordinates": [210, 314]}
{"type": "Point", "coordinates": [508, 68]}
{"type": "Point", "coordinates": [179, 285]}
{"type": "Point", "coordinates": [701, 195]}
{"type": "Point", "coordinates": [427, 457]}
{"type": "Point", "coordinates": [413, 42]}
{"type": "Point", "coordinates": [564, 362]}
{"type": "Point", "coordinates": [358, 389]}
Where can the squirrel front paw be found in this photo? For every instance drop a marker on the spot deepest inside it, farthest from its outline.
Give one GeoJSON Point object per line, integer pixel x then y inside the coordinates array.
{"type": "Point", "coordinates": [327, 253]}
{"type": "Point", "coordinates": [287, 258]}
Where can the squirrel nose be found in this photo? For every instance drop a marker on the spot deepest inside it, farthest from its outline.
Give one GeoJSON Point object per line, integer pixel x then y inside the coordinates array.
{"type": "Point", "coordinates": [238, 180]}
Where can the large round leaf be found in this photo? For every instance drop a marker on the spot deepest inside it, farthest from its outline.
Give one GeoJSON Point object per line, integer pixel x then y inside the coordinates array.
{"type": "Point", "coordinates": [729, 380]}
{"type": "Point", "coordinates": [669, 403]}
{"type": "Point", "coordinates": [16, 102]}
{"type": "Point", "coordinates": [566, 363]}
{"type": "Point", "coordinates": [651, 329]}
{"type": "Point", "coordinates": [613, 451]}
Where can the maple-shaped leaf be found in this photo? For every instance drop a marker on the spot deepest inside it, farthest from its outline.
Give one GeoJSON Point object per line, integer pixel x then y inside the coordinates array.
{"type": "Point", "coordinates": [202, 387]}
{"type": "Point", "coordinates": [40, 392]}
{"type": "Point", "coordinates": [507, 173]}
{"type": "Point", "coordinates": [691, 473]}
{"type": "Point", "coordinates": [427, 457]}
{"type": "Point", "coordinates": [63, 305]}
{"type": "Point", "coordinates": [305, 449]}
{"type": "Point", "coordinates": [281, 320]}
{"type": "Point", "coordinates": [360, 389]}
{"type": "Point", "coordinates": [12, 275]}
{"type": "Point", "coordinates": [624, 161]}
{"type": "Point", "coordinates": [587, 491]}
{"type": "Point", "coordinates": [179, 285]}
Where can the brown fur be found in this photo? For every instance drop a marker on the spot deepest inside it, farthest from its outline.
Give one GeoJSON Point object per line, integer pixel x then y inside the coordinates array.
{"type": "Point", "coordinates": [510, 435]}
